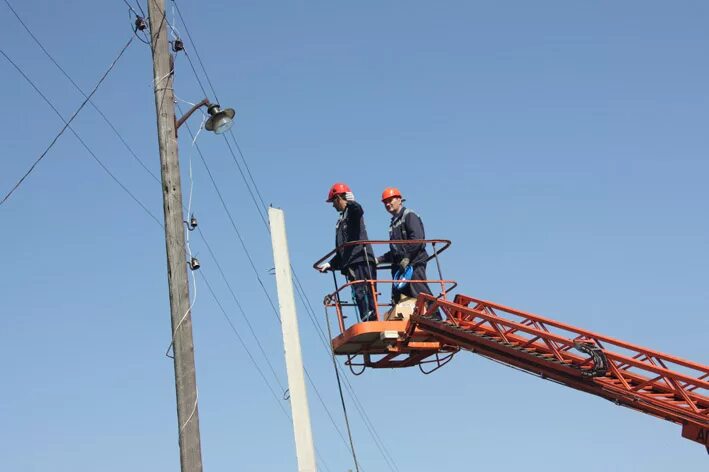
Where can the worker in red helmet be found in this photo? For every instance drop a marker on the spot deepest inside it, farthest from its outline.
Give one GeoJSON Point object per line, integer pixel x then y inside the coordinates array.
{"type": "Point", "coordinates": [355, 262]}
{"type": "Point", "coordinates": [405, 225]}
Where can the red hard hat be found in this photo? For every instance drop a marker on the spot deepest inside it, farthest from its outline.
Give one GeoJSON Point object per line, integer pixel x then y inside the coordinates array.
{"type": "Point", "coordinates": [390, 192]}
{"type": "Point", "coordinates": [337, 189]}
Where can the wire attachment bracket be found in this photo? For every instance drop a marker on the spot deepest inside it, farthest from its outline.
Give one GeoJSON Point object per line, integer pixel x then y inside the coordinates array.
{"type": "Point", "coordinates": [177, 45]}
{"type": "Point", "coordinates": [192, 223]}
{"type": "Point", "coordinates": [194, 263]}
{"type": "Point", "coordinates": [140, 24]}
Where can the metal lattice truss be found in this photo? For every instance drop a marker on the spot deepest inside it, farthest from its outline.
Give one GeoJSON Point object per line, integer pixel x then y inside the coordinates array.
{"type": "Point", "coordinates": [659, 384]}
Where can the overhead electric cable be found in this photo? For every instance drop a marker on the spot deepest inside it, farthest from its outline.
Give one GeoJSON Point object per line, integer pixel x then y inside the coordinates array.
{"type": "Point", "coordinates": [132, 9]}
{"type": "Point", "coordinates": [253, 266]}
{"type": "Point", "coordinates": [350, 388]}
{"type": "Point", "coordinates": [229, 287]}
{"type": "Point", "coordinates": [243, 244]}
{"type": "Point", "coordinates": [251, 357]}
{"type": "Point", "coordinates": [137, 2]}
{"type": "Point", "coordinates": [80, 90]}
{"type": "Point", "coordinates": [231, 151]}
{"type": "Point", "coordinates": [242, 342]}
{"type": "Point", "coordinates": [137, 19]}
{"type": "Point", "coordinates": [236, 230]}
{"type": "Point", "coordinates": [313, 317]}
{"type": "Point", "coordinates": [241, 309]}
{"type": "Point", "coordinates": [226, 140]}
{"type": "Point", "coordinates": [67, 124]}
{"type": "Point", "coordinates": [368, 423]}
{"type": "Point", "coordinates": [243, 177]}
{"type": "Point", "coordinates": [248, 169]}
{"type": "Point", "coordinates": [189, 36]}
{"type": "Point", "coordinates": [216, 97]}
{"type": "Point", "coordinates": [381, 446]}
{"type": "Point", "coordinates": [342, 401]}
{"type": "Point", "coordinates": [91, 152]}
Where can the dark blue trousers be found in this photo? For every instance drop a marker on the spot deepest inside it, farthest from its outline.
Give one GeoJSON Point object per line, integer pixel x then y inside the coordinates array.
{"type": "Point", "coordinates": [364, 298]}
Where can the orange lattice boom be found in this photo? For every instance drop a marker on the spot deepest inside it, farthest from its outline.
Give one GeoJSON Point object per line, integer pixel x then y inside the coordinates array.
{"type": "Point", "coordinates": [643, 379]}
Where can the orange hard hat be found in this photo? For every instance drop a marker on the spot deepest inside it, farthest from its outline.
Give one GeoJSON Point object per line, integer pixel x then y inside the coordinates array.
{"type": "Point", "coordinates": [390, 192]}
{"type": "Point", "coordinates": [337, 189]}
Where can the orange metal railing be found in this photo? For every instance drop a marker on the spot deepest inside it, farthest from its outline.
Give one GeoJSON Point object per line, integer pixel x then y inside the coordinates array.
{"type": "Point", "coordinates": [337, 301]}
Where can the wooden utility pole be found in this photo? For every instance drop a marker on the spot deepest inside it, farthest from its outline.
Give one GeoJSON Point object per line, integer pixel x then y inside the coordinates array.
{"type": "Point", "coordinates": [183, 348]}
{"type": "Point", "coordinates": [305, 451]}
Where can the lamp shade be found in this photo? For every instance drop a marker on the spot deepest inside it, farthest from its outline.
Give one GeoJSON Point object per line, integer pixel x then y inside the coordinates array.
{"type": "Point", "coordinates": [219, 120]}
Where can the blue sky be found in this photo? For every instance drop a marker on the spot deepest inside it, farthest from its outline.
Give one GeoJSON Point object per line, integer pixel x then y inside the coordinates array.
{"type": "Point", "coordinates": [562, 146]}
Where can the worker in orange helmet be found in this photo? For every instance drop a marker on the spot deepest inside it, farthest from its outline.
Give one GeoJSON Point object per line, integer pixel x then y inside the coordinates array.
{"type": "Point", "coordinates": [405, 225]}
{"type": "Point", "coordinates": [355, 262]}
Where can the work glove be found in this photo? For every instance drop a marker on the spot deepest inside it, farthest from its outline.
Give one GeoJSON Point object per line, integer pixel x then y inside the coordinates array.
{"type": "Point", "coordinates": [404, 264]}
{"type": "Point", "coordinates": [324, 267]}
{"type": "Point", "coordinates": [349, 196]}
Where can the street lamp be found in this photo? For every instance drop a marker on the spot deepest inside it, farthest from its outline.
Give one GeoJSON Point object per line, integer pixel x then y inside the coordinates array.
{"type": "Point", "coordinates": [219, 120]}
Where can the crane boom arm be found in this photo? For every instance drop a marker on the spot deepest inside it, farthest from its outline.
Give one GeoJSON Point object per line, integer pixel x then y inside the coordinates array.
{"type": "Point", "coordinates": [643, 379]}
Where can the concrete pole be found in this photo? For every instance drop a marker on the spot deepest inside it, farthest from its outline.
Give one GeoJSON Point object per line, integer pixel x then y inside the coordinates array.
{"type": "Point", "coordinates": [291, 343]}
{"type": "Point", "coordinates": [185, 379]}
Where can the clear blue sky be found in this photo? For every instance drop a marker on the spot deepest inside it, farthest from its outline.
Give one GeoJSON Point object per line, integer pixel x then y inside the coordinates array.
{"type": "Point", "coordinates": [562, 146]}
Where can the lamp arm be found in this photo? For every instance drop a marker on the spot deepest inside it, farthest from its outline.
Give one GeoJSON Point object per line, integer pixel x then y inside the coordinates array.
{"type": "Point", "coordinates": [184, 117]}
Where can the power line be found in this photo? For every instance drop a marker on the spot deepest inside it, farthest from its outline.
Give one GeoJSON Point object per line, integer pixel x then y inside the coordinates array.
{"type": "Point", "coordinates": [360, 408]}
{"type": "Point", "coordinates": [253, 361]}
{"type": "Point", "coordinates": [226, 281]}
{"type": "Point", "coordinates": [103, 166]}
{"type": "Point", "coordinates": [241, 341]}
{"type": "Point", "coordinates": [368, 424]}
{"type": "Point", "coordinates": [253, 266]}
{"type": "Point", "coordinates": [139, 8]}
{"type": "Point", "coordinates": [353, 395]}
{"type": "Point", "coordinates": [131, 8]}
{"type": "Point", "coordinates": [106, 119]}
{"type": "Point", "coordinates": [80, 90]}
{"type": "Point", "coordinates": [243, 177]}
{"type": "Point", "coordinates": [216, 97]}
{"type": "Point", "coordinates": [226, 140]}
{"type": "Point", "coordinates": [236, 230]}
{"type": "Point", "coordinates": [67, 124]}
{"type": "Point", "coordinates": [199, 81]}
{"type": "Point", "coordinates": [312, 383]}
{"type": "Point", "coordinates": [342, 400]}
{"type": "Point", "coordinates": [241, 309]}
{"type": "Point", "coordinates": [260, 281]}
{"type": "Point", "coordinates": [158, 180]}
{"type": "Point", "coordinates": [248, 169]}
{"type": "Point", "coordinates": [189, 36]}
{"type": "Point", "coordinates": [231, 151]}
{"type": "Point", "coordinates": [305, 301]}
{"type": "Point", "coordinates": [137, 19]}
